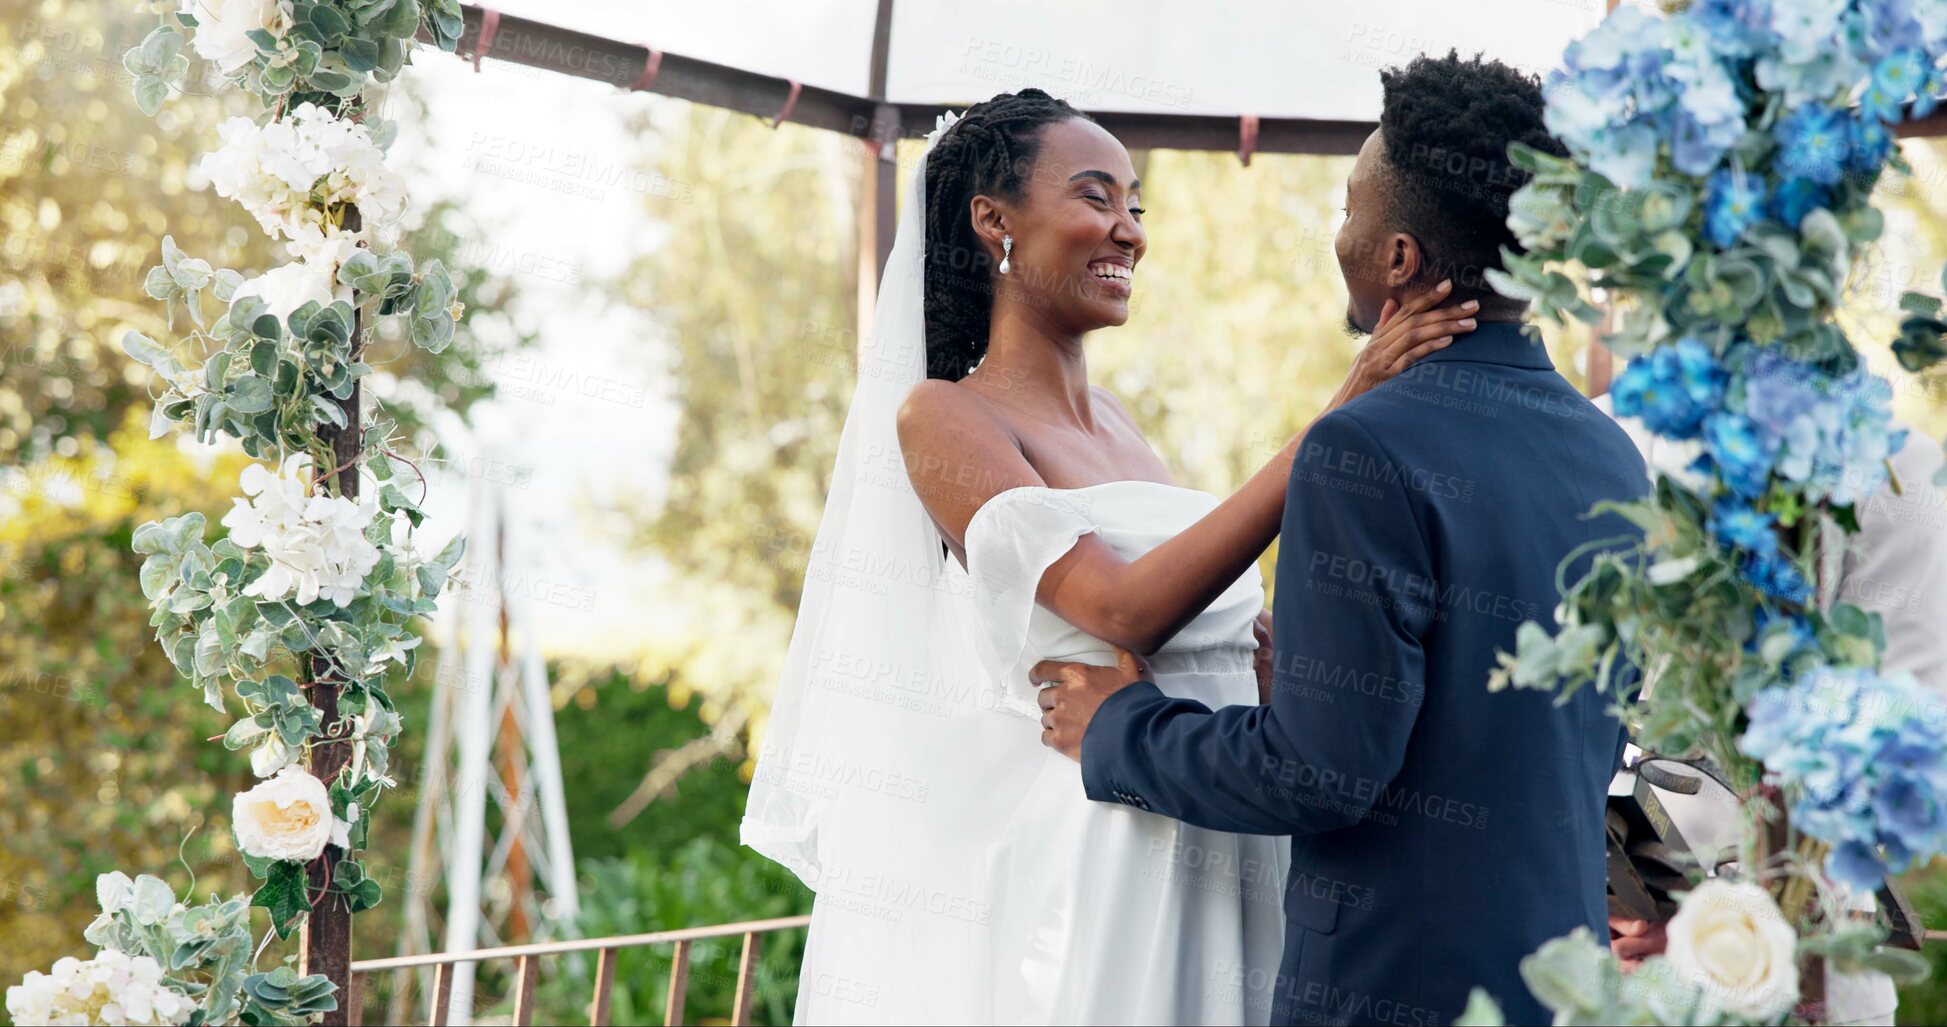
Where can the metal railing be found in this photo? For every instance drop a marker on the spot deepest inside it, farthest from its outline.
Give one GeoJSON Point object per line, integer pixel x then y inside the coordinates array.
{"type": "Point", "coordinates": [527, 968]}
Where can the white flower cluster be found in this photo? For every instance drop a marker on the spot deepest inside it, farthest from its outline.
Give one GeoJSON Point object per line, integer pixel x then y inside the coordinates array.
{"type": "Point", "coordinates": [113, 987]}
{"type": "Point", "coordinates": [290, 286]}
{"type": "Point", "coordinates": [289, 817]}
{"type": "Point", "coordinates": [291, 173]}
{"type": "Point", "coordinates": [316, 544]}
{"type": "Point", "coordinates": [223, 28]}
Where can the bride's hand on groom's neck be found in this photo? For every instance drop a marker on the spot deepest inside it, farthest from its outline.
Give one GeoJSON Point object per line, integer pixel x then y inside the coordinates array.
{"type": "Point", "coordinates": [1404, 333]}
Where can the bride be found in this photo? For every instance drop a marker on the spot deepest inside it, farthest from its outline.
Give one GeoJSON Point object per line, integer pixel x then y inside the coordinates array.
{"type": "Point", "coordinates": [990, 509]}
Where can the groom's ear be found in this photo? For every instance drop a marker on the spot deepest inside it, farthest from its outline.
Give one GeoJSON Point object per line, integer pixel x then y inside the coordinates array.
{"type": "Point", "coordinates": [1403, 260]}
{"type": "Point", "coordinates": [989, 222]}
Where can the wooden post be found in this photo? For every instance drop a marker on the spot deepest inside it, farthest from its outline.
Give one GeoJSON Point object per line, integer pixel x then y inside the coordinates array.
{"type": "Point", "coordinates": [879, 180]}
{"type": "Point", "coordinates": [325, 940]}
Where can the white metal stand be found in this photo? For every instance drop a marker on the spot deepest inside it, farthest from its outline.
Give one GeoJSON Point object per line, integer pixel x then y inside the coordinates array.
{"type": "Point", "coordinates": [491, 743]}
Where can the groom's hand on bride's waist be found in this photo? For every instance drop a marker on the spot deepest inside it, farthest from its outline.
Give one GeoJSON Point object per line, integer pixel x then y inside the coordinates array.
{"type": "Point", "coordinates": [1072, 692]}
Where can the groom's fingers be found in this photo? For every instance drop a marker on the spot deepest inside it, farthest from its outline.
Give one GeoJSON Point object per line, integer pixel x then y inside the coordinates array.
{"type": "Point", "coordinates": [1048, 672]}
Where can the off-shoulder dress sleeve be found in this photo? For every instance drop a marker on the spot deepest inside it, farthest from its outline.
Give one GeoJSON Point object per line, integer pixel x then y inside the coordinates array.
{"type": "Point", "coordinates": [1011, 541]}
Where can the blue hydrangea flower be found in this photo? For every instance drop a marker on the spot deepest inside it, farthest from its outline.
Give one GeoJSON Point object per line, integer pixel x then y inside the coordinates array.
{"type": "Point", "coordinates": [1813, 142]}
{"type": "Point", "coordinates": [1831, 436]}
{"type": "Point", "coordinates": [1604, 101]}
{"type": "Point", "coordinates": [1776, 576]}
{"type": "Point", "coordinates": [1863, 760]}
{"type": "Point", "coordinates": [1733, 202]}
{"type": "Point", "coordinates": [1819, 51]}
{"type": "Point", "coordinates": [1796, 197]}
{"type": "Point", "coordinates": [1868, 145]}
{"type": "Point", "coordinates": [1736, 28]}
{"type": "Point", "coordinates": [1805, 27]}
{"type": "Point", "coordinates": [1932, 90]}
{"type": "Point", "coordinates": [1736, 523]}
{"type": "Point", "coordinates": [1893, 26]}
{"type": "Point", "coordinates": [1754, 536]}
{"type": "Point", "coordinates": [1738, 453]}
{"type": "Point", "coordinates": [1672, 390]}
{"type": "Point", "coordinates": [1895, 78]}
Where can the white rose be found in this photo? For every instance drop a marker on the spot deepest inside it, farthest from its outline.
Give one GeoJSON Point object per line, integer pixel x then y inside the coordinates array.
{"type": "Point", "coordinates": [1729, 939]}
{"type": "Point", "coordinates": [287, 817]}
{"type": "Point", "coordinates": [222, 28]}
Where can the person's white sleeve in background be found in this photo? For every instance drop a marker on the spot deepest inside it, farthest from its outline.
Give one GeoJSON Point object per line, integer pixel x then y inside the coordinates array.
{"type": "Point", "coordinates": [1897, 565]}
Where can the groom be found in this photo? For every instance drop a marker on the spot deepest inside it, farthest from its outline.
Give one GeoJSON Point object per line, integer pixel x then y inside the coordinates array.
{"type": "Point", "coordinates": [1439, 833]}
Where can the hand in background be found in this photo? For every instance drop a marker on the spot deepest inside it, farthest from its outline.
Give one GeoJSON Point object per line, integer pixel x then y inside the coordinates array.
{"type": "Point", "coordinates": [1636, 940]}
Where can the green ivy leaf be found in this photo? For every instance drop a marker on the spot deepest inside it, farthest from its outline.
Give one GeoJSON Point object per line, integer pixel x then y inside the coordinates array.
{"type": "Point", "coordinates": [283, 893]}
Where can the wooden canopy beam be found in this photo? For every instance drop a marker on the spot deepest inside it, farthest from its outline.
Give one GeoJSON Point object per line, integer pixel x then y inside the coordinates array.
{"type": "Point", "coordinates": [569, 52]}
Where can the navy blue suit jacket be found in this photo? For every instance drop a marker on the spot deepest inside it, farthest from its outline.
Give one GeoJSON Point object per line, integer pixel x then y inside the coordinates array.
{"type": "Point", "coordinates": [1439, 833]}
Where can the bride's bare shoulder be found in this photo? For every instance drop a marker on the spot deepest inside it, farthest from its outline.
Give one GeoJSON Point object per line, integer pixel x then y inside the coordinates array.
{"type": "Point", "coordinates": [937, 411]}
{"type": "Point", "coordinates": [1114, 402]}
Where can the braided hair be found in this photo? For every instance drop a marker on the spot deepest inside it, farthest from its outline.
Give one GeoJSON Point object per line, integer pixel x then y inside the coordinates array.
{"type": "Point", "coordinates": [990, 151]}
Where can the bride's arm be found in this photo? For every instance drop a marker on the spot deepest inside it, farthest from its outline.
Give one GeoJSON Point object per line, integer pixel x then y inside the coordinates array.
{"type": "Point", "coordinates": [959, 454]}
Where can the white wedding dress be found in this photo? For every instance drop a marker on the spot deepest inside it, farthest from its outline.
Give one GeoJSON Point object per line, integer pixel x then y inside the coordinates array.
{"type": "Point", "coordinates": [1045, 907]}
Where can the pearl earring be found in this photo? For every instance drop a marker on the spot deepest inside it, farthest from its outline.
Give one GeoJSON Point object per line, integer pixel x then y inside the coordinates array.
{"type": "Point", "coordinates": [1007, 253]}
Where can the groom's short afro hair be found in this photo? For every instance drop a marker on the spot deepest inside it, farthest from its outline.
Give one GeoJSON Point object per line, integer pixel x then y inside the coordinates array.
{"type": "Point", "coordinates": [1446, 123]}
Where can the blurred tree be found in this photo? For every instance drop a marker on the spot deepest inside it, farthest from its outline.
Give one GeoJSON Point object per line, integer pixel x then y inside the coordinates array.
{"type": "Point", "coordinates": [102, 762]}
{"type": "Point", "coordinates": [754, 283]}
{"type": "Point", "coordinates": [88, 187]}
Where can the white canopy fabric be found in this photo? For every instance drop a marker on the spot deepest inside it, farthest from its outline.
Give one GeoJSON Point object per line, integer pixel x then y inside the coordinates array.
{"type": "Point", "coordinates": [1314, 59]}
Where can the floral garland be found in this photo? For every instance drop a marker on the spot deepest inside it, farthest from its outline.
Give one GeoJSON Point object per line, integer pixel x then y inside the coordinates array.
{"type": "Point", "coordinates": [308, 579]}
{"type": "Point", "coordinates": [1722, 158]}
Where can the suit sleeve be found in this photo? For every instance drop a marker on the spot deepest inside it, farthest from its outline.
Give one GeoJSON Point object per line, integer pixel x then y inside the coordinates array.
{"type": "Point", "coordinates": [1355, 596]}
